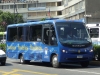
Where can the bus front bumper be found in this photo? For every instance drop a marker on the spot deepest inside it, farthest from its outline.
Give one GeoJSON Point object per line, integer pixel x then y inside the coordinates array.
{"type": "Point", "coordinates": [76, 58]}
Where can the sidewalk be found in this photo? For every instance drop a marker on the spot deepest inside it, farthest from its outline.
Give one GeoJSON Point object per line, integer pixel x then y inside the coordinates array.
{"type": "Point", "coordinates": [95, 63]}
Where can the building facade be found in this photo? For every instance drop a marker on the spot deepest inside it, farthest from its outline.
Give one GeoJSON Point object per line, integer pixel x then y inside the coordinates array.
{"type": "Point", "coordinates": [85, 10]}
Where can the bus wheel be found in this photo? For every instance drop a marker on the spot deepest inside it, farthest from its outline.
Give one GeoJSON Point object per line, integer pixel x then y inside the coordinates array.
{"type": "Point", "coordinates": [22, 61]}
{"type": "Point", "coordinates": [84, 64]}
{"type": "Point", "coordinates": [55, 62]}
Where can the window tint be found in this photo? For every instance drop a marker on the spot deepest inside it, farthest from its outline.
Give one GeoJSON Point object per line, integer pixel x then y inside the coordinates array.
{"type": "Point", "coordinates": [46, 35]}
{"type": "Point", "coordinates": [49, 36]}
{"type": "Point", "coordinates": [21, 36]}
{"type": "Point", "coordinates": [36, 33]}
{"type": "Point", "coordinates": [94, 32]}
{"type": "Point", "coordinates": [27, 33]}
{"type": "Point", "coordinates": [12, 34]}
{"type": "Point", "coordinates": [15, 34]}
{"type": "Point", "coordinates": [53, 39]}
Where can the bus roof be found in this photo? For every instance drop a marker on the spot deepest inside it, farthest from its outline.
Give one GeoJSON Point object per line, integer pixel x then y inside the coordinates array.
{"type": "Point", "coordinates": [93, 25]}
{"type": "Point", "coordinates": [41, 22]}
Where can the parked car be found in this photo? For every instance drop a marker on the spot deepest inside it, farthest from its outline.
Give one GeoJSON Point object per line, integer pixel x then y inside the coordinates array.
{"type": "Point", "coordinates": [2, 57]}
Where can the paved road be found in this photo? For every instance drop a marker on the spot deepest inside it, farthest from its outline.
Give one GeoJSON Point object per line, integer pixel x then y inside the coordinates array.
{"type": "Point", "coordinates": [14, 68]}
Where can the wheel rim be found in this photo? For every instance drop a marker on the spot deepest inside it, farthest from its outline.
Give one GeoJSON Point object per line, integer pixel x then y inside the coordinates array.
{"type": "Point", "coordinates": [55, 60]}
{"type": "Point", "coordinates": [21, 60]}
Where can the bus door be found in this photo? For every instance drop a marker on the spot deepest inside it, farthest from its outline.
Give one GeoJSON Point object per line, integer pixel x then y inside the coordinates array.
{"type": "Point", "coordinates": [48, 40]}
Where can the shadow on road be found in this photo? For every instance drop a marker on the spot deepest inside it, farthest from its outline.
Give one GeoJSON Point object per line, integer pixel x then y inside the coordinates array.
{"type": "Point", "coordinates": [37, 64]}
{"type": "Point", "coordinates": [64, 66]}
{"type": "Point", "coordinates": [7, 64]}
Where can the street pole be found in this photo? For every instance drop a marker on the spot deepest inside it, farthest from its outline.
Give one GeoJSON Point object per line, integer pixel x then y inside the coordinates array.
{"type": "Point", "coordinates": [14, 11]}
{"type": "Point", "coordinates": [37, 7]}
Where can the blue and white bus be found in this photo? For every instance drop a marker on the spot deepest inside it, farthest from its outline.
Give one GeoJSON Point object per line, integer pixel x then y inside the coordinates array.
{"type": "Point", "coordinates": [55, 41]}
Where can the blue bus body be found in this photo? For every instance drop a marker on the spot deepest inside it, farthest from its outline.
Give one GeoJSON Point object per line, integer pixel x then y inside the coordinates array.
{"type": "Point", "coordinates": [38, 51]}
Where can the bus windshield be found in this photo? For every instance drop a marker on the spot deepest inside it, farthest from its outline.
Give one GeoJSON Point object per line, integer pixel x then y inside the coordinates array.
{"type": "Point", "coordinates": [72, 33]}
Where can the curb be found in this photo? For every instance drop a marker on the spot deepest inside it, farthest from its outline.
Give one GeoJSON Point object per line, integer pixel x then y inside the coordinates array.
{"type": "Point", "coordinates": [95, 63]}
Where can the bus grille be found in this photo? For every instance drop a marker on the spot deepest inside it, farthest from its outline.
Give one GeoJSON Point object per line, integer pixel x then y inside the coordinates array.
{"type": "Point", "coordinates": [77, 59]}
{"type": "Point", "coordinates": [78, 53]}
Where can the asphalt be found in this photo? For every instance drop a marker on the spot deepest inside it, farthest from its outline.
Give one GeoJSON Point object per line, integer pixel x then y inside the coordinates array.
{"type": "Point", "coordinates": [95, 63]}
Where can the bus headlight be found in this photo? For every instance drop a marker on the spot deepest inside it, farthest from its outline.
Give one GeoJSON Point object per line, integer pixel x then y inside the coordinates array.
{"type": "Point", "coordinates": [64, 51]}
{"type": "Point", "coordinates": [91, 50]}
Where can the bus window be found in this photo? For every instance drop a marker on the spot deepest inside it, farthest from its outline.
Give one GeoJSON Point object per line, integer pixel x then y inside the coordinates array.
{"type": "Point", "coordinates": [12, 34]}
{"type": "Point", "coordinates": [53, 39]}
{"type": "Point", "coordinates": [21, 36]}
{"type": "Point", "coordinates": [72, 32]}
{"type": "Point", "coordinates": [94, 32]}
{"type": "Point", "coordinates": [27, 33]}
{"type": "Point", "coordinates": [49, 36]}
{"type": "Point", "coordinates": [36, 33]}
{"type": "Point", "coordinates": [46, 35]}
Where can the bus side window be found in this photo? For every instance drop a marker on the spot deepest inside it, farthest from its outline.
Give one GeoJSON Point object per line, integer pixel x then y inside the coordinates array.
{"type": "Point", "coordinates": [20, 34]}
{"type": "Point", "coordinates": [32, 33]}
{"type": "Point", "coordinates": [36, 33]}
{"type": "Point", "coordinates": [12, 34]}
{"type": "Point", "coordinates": [53, 39]}
{"type": "Point", "coordinates": [27, 33]}
{"type": "Point", "coordinates": [49, 36]}
{"type": "Point", "coordinates": [46, 36]}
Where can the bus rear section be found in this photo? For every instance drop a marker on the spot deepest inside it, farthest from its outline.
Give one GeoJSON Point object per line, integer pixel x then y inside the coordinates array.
{"type": "Point", "coordinates": [75, 44]}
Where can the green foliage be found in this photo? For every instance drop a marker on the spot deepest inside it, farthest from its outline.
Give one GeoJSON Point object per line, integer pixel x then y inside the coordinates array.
{"type": "Point", "coordinates": [3, 46]}
{"type": "Point", "coordinates": [2, 28]}
{"type": "Point", "coordinates": [97, 51]}
{"type": "Point", "coordinates": [9, 18]}
{"type": "Point", "coordinates": [42, 19]}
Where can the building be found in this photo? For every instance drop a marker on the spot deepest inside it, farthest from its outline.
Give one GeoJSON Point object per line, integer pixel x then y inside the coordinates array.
{"type": "Point", "coordinates": [33, 9]}
{"type": "Point", "coordinates": [85, 10]}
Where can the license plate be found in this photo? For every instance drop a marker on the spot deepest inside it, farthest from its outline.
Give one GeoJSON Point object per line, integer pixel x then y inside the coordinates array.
{"type": "Point", "coordinates": [79, 56]}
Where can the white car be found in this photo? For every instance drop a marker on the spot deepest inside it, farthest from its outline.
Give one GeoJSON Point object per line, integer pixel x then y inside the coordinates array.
{"type": "Point", "coordinates": [2, 57]}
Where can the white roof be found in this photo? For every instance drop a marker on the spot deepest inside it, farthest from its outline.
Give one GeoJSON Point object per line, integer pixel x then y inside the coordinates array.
{"type": "Point", "coordinates": [92, 25]}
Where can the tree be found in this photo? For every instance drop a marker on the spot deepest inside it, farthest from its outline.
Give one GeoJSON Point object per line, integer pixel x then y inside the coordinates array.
{"type": "Point", "coordinates": [7, 18]}
{"type": "Point", "coordinates": [43, 19]}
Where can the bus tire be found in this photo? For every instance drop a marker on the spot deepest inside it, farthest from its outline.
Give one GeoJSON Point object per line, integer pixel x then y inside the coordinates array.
{"type": "Point", "coordinates": [22, 61]}
{"type": "Point", "coordinates": [84, 64]}
{"type": "Point", "coordinates": [55, 62]}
